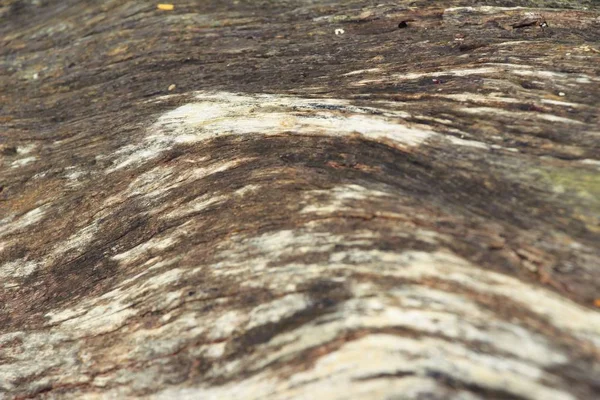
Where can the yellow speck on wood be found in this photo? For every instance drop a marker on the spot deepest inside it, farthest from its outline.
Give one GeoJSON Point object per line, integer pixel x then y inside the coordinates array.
{"type": "Point", "coordinates": [597, 302]}
{"type": "Point", "coordinates": [166, 7]}
{"type": "Point", "coordinates": [172, 87]}
{"type": "Point", "coordinates": [117, 50]}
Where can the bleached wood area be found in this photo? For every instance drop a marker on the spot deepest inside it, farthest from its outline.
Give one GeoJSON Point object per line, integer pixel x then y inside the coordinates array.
{"type": "Point", "coordinates": [300, 199]}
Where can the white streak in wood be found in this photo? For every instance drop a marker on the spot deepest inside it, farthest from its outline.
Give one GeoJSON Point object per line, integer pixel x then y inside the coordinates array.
{"type": "Point", "coordinates": [560, 103]}
{"type": "Point", "coordinates": [556, 118]}
{"type": "Point", "coordinates": [23, 161]}
{"type": "Point", "coordinates": [77, 242]}
{"type": "Point", "coordinates": [478, 98]}
{"type": "Point", "coordinates": [111, 310]}
{"type": "Point", "coordinates": [589, 161]}
{"type": "Point", "coordinates": [551, 75]}
{"type": "Point", "coordinates": [154, 244]}
{"type": "Point", "coordinates": [362, 71]}
{"type": "Point", "coordinates": [469, 143]}
{"type": "Point", "coordinates": [32, 217]}
{"type": "Point", "coordinates": [197, 205]}
{"type": "Point", "coordinates": [488, 69]}
{"type": "Point", "coordinates": [224, 114]}
{"type": "Point", "coordinates": [341, 197]}
{"type": "Point", "coordinates": [561, 312]}
{"type": "Point", "coordinates": [226, 324]}
{"type": "Point", "coordinates": [518, 114]}
{"type": "Point", "coordinates": [38, 354]}
{"type": "Point", "coordinates": [277, 310]}
{"type": "Point", "coordinates": [20, 268]}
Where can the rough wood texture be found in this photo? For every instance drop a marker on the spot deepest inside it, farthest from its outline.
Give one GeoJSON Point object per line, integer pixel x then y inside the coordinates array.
{"type": "Point", "coordinates": [407, 209]}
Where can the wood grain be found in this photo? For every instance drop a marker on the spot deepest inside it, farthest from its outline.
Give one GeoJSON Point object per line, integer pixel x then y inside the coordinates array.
{"type": "Point", "coordinates": [231, 199]}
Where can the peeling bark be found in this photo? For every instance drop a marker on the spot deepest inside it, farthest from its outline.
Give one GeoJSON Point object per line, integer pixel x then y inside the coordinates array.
{"type": "Point", "coordinates": [235, 200]}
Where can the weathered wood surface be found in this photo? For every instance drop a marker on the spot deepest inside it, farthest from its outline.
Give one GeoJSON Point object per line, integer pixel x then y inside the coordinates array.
{"type": "Point", "coordinates": [388, 212]}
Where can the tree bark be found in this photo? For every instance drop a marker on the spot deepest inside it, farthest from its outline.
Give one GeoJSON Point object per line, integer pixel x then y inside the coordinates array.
{"type": "Point", "coordinates": [300, 199]}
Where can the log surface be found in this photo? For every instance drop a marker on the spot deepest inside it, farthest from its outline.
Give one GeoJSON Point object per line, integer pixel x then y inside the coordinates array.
{"type": "Point", "coordinates": [300, 199]}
